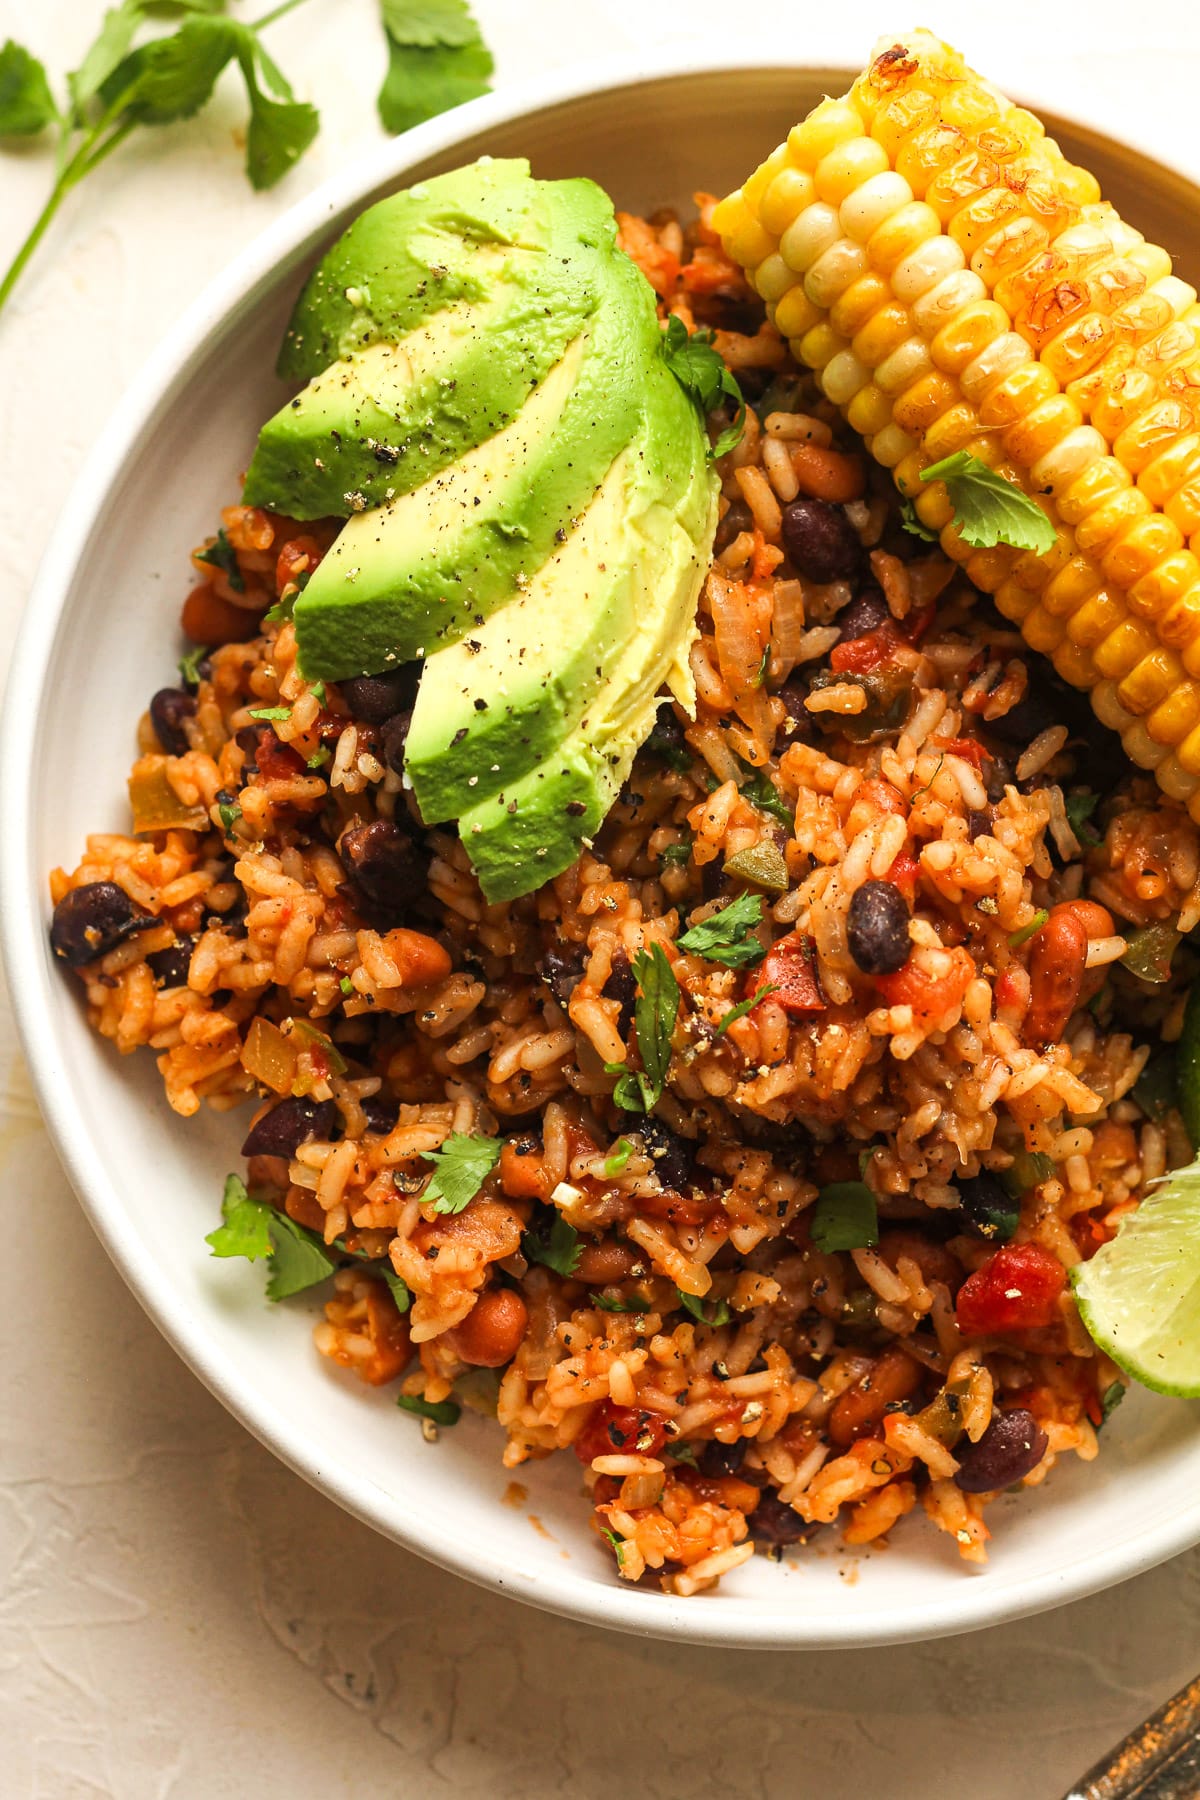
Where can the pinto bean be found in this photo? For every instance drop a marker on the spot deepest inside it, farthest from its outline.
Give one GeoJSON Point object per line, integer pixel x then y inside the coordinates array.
{"type": "Point", "coordinates": [207, 619]}
{"type": "Point", "coordinates": [1057, 961]}
{"type": "Point", "coordinates": [933, 1259]}
{"type": "Point", "coordinates": [491, 1333]}
{"type": "Point", "coordinates": [1097, 921]}
{"type": "Point", "coordinates": [600, 1265]}
{"type": "Point", "coordinates": [421, 960]}
{"type": "Point", "coordinates": [828, 474]}
{"type": "Point", "coordinates": [858, 1411]}
{"type": "Point", "coordinates": [523, 1170]}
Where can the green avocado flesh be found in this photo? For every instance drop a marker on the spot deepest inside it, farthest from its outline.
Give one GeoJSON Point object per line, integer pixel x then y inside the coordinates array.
{"type": "Point", "coordinates": [531, 507]}
{"type": "Point", "coordinates": [382, 419]}
{"type": "Point", "coordinates": [509, 693]}
{"type": "Point", "coordinates": [407, 578]}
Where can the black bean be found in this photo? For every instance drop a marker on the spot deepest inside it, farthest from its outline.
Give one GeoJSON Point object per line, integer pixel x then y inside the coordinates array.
{"type": "Point", "coordinates": [386, 867]}
{"type": "Point", "coordinates": [393, 737]}
{"type": "Point", "coordinates": [865, 613]}
{"type": "Point", "coordinates": [247, 741]}
{"type": "Point", "coordinates": [820, 540]}
{"type": "Point", "coordinates": [717, 1458]}
{"type": "Point", "coordinates": [621, 985]}
{"type": "Point", "coordinates": [674, 1157]}
{"type": "Point", "coordinates": [877, 928]}
{"type": "Point", "coordinates": [997, 775]}
{"type": "Point", "coordinates": [980, 821]}
{"type": "Point", "coordinates": [168, 709]}
{"type": "Point", "coordinates": [92, 920]}
{"type": "Point", "coordinates": [773, 1522]}
{"type": "Point", "coordinates": [1013, 1444]}
{"type": "Point", "coordinates": [561, 969]}
{"type": "Point", "coordinates": [381, 1112]}
{"type": "Point", "coordinates": [799, 724]}
{"type": "Point", "coordinates": [293, 1122]}
{"type": "Point", "coordinates": [170, 967]}
{"type": "Point", "coordinates": [377, 698]}
{"type": "Point", "coordinates": [739, 518]}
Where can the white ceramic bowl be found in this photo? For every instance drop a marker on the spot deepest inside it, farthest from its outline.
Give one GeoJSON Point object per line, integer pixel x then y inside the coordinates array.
{"type": "Point", "coordinates": [100, 636]}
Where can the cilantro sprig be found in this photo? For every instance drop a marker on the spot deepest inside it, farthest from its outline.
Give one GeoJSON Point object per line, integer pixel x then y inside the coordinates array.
{"type": "Point", "coordinates": [655, 1012]}
{"type": "Point", "coordinates": [554, 1242]}
{"type": "Point", "coordinates": [704, 378]}
{"type": "Point", "coordinates": [461, 1167]}
{"type": "Point", "coordinates": [746, 1006]}
{"type": "Point", "coordinates": [220, 554]}
{"type": "Point", "coordinates": [724, 937]}
{"type": "Point", "coordinates": [122, 84]}
{"type": "Point", "coordinates": [296, 1258]}
{"type": "Point", "coordinates": [989, 510]}
{"type": "Point", "coordinates": [436, 59]}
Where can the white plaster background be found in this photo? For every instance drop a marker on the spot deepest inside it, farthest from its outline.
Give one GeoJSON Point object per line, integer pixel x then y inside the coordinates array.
{"type": "Point", "coordinates": [179, 1616]}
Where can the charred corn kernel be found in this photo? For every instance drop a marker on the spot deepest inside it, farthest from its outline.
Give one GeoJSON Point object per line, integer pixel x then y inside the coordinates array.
{"type": "Point", "coordinates": [955, 283]}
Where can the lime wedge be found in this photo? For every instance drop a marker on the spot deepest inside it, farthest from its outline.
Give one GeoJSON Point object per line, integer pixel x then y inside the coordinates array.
{"type": "Point", "coordinates": [1139, 1296]}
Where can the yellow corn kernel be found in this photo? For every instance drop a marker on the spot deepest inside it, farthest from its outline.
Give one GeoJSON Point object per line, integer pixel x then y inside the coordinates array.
{"type": "Point", "coordinates": [956, 283]}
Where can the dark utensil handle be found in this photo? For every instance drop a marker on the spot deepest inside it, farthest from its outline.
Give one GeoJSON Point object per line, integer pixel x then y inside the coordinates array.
{"type": "Point", "coordinates": [1159, 1760]}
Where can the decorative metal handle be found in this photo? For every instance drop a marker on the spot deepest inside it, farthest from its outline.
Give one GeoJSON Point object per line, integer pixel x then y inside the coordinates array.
{"type": "Point", "coordinates": [1159, 1760]}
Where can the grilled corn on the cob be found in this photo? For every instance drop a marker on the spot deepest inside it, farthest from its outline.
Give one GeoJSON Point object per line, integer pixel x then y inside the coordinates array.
{"type": "Point", "coordinates": [957, 284]}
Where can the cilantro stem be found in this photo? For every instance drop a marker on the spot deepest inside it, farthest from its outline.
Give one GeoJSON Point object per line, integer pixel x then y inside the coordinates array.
{"type": "Point", "coordinates": [276, 13]}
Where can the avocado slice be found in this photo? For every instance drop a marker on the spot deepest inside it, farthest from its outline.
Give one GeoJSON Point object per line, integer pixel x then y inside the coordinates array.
{"type": "Point", "coordinates": [392, 412]}
{"type": "Point", "coordinates": [495, 704]}
{"type": "Point", "coordinates": [424, 248]}
{"type": "Point", "coordinates": [429, 567]}
{"type": "Point", "coordinates": [542, 820]}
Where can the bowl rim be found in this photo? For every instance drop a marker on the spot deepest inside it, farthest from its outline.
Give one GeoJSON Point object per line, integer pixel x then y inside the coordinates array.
{"type": "Point", "coordinates": [968, 1606]}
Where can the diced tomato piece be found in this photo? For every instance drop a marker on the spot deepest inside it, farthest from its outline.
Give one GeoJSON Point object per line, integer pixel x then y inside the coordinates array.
{"type": "Point", "coordinates": [276, 761]}
{"type": "Point", "coordinates": [929, 995]}
{"type": "Point", "coordinates": [790, 969]}
{"type": "Point", "coordinates": [1017, 1289]}
{"type": "Point", "coordinates": [523, 1173]}
{"type": "Point", "coordinates": [299, 556]}
{"type": "Point", "coordinates": [918, 623]}
{"type": "Point", "coordinates": [903, 873]}
{"type": "Point", "coordinates": [860, 655]}
{"type": "Point", "coordinates": [620, 1431]}
{"type": "Point", "coordinates": [967, 748]}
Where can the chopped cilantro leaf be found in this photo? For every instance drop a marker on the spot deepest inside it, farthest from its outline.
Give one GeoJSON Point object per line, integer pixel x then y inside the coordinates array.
{"type": "Point", "coordinates": [441, 1412]}
{"type": "Point", "coordinates": [318, 759]}
{"type": "Point", "coordinates": [220, 554]}
{"type": "Point", "coordinates": [691, 1303]}
{"type": "Point", "coordinates": [228, 815]}
{"type": "Point", "coordinates": [675, 856]}
{"type": "Point", "coordinates": [189, 665]}
{"type": "Point", "coordinates": [668, 749]}
{"type": "Point", "coordinates": [554, 1242]}
{"type": "Point", "coordinates": [724, 936]}
{"type": "Point", "coordinates": [270, 712]}
{"type": "Point", "coordinates": [397, 1288]}
{"type": "Point", "coordinates": [911, 523]}
{"type": "Point", "coordinates": [989, 510]}
{"type": "Point", "coordinates": [683, 1453]}
{"type": "Point", "coordinates": [655, 1012]}
{"type": "Point", "coordinates": [845, 1217]}
{"type": "Point", "coordinates": [296, 1258]}
{"type": "Point", "coordinates": [618, 1544]}
{"type": "Point", "coordinates": [620, 1306]}
{"type": "Point", "coordinates": [761, 791]}
{"type": "Point", "coordinates": [702, 374]}
{"type": "Point", "coordinates": [1079, 809]}
{"type": "Point", "coordinates": [461, 1167]}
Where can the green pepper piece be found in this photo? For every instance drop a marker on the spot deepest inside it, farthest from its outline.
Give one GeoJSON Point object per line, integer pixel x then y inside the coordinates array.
{"type": "Point", "coordinates": [762, 864]}
{"type": "Point", "coordinates": [1148, 952]}
{"type": "Point", "coordinates": [1156, 1089]}
{"type": "Point", "coordinates": [1027, 1170]}
{"type": "Point", "coordinates": [889, 701]}
{"type": "Point", "coordinates": [942, 1418]}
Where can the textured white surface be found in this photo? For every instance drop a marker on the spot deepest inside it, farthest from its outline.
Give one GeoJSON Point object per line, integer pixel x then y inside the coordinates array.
{"type": "Point", "coordinates": [178, 1615]}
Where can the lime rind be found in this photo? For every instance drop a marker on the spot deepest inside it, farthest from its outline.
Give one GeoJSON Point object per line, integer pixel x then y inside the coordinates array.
{"type": "Point", "coordinates": [1139, 1296]}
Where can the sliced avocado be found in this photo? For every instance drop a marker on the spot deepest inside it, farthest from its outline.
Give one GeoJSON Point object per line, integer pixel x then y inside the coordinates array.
{"type": "Point", "coordinates": [392, 412]}
{"type": "Point", "coordinates": [423, 249]}
{"type": "Point", "coordinates": [535, 827]}
{"type": "Point", "coordinates": [433, 564]}
{"type": "Point", "coordinates": [499, 701]}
